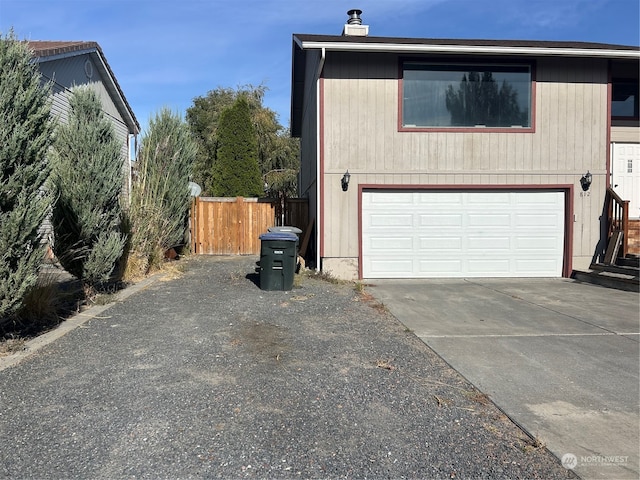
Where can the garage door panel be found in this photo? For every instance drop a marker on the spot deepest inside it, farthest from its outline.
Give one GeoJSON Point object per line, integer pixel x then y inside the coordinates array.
{"type": "Point", "coordinates": [441, 266]}
{"type": "Point", "coordinates": [391, 220]}
{"type": "Point", "coordinates": [492, 199]}
{"type": "Point", "coordinates": [435, 199]}
{"type": "Point", "coordinates": [433, 221]}
{"type": "Point", "coordinates": [497, 267]}
{"type": "Point", "coordinates": [437, 244]}
{"type": "Point", "coordinates": [538, 244]}
{"type": "Point", "coordinates": [502, 244]}
{"type": "Point", "coordinates": [537, 267]}
{"type": "Point", "coordinates": [466, 233]}
{"type": "Point", "coordinates": [390, 198]}
{"type": "Point", "coordinates": [539, 220]}
{"type": "Point", "coordinates": [487, 220]}
{"type": "Point", "coordinates": [391, 244]}
{"type": "Point", "coordinates": [392, 269]}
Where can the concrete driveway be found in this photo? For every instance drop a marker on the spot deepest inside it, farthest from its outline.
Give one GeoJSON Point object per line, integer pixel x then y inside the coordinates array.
{"type": "Point", "coordinates": [559, 357]}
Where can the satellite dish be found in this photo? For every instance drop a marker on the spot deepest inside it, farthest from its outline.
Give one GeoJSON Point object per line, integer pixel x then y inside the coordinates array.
{"type": "Point", "coordinates": [195, 189]}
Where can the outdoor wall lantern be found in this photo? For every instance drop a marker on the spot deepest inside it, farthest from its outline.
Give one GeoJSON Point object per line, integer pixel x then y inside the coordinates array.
{"type": "Point", "coordinates": [345, 181]}
{"type": "Point", "coordinates": [585, 181]}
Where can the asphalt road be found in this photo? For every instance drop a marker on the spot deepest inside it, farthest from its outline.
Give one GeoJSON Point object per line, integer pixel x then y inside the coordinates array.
{"type": "Point", "coordinates": [207, 376]}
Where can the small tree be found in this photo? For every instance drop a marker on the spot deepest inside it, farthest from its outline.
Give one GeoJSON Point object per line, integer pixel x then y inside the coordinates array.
{"type": "Point", "coordinates": [276, 149]}
{"type": "Point", "coordinates": [87, 179]}
{"type": "Point", "coordinates": [160, 195]}
{"type": "Point", "coordinates": [25, 136]}
{"type": "Point", "coordinates": [236, 171]}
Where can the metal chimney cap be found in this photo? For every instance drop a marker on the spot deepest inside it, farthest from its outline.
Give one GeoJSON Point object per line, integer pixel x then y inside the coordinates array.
{"type": "Point", "coordinates": [354, 17]}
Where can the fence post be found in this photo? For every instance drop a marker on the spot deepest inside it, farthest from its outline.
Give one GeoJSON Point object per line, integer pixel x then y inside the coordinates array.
{"type": "Point", "coordinates": [193, 230]}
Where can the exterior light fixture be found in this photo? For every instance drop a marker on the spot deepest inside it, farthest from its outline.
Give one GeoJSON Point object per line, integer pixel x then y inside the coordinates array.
{"type": "Point", "coordinates": [585, 181]}
{"type": "Point", "coordinates": [345, 181]}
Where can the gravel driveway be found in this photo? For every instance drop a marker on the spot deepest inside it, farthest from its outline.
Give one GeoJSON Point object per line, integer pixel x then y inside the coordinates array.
{"type": "Point", "coordinates": [208, 376]}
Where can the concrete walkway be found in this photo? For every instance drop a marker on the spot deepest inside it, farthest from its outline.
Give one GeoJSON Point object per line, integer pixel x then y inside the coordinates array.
{"type": "Point", "coordinates": [559, 357]}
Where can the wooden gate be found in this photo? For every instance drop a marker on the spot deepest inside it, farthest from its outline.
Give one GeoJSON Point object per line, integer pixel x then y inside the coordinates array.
{"type": "Point", "coordinates": [232, 226]}
{"type": "Point", "coordinates": [229, 226]}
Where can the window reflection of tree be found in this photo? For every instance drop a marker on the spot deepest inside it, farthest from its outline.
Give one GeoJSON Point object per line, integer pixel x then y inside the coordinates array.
{"type": "Point", "coordinates": [479, 100]}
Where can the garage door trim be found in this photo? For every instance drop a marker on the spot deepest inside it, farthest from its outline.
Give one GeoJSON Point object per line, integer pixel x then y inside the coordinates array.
{"type": "Point", "coordinates": [567, 190]}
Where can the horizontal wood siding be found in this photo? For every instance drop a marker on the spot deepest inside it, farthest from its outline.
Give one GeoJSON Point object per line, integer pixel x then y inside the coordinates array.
{"type": "Point", "coordinates": [360, 109]}
{"type": "Point", "coordinates": [228, 226]}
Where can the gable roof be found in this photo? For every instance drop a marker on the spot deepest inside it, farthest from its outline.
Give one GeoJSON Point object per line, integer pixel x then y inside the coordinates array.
{"type": "Point", "coordinates": [437, 46]}
{"type": "Point", "coordinates": [46, 51]}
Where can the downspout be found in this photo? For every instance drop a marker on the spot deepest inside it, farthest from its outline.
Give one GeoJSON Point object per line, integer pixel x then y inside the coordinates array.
{"type": "Point", "coordinates": [318, 140]}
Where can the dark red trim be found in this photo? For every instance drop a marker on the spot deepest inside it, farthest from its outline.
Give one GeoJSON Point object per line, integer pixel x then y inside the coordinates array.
{"type": "Point", "coordinates": [531, 129]}
{"type": "Point", "coordinates": [567, 265]}
{"type": "Point", "coordinates": [609, 100]}
{"type": "Point", "coordinates": [467, 130]}
{"type": "Point", "coordinates": [360, 187]}
{"type": "Point", "coordinates": [321, 160]}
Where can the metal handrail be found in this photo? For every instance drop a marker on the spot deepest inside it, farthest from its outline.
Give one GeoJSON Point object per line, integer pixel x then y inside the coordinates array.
{"type": "Point", "coordinates": [618, 218]}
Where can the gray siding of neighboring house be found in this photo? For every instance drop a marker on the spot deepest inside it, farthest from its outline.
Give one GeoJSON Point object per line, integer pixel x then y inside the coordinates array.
{"type": "Point", "coordinates": [67, 73]}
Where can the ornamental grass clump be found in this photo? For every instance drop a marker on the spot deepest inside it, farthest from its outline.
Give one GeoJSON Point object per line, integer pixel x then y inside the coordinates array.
{"type": "Point", "coordinates": [160, 198]}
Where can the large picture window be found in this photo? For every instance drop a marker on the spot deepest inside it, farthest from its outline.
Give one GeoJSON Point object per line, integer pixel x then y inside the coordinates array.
{"type": "Point", "coordinates": [466, 96]}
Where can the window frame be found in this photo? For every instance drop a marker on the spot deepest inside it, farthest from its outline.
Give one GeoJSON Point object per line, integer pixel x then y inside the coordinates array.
{"type": "Point", "coordinates": [531, 64]}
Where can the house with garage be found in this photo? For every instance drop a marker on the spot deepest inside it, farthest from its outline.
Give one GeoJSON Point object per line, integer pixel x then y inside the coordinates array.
{"type": "Point", "coordinates": [70, 64]}
{"type": "Point", "coordinates": [464, 158]}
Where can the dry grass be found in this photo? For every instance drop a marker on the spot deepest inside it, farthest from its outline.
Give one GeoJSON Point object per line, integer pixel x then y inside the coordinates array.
{"type": "Point", "coordinates": [41, 303]}
{"type": "Point", "coordinates": [477, 396]}
{"type": "Point", "coordinates": [11, 345]}
{"type": "Point", "coordinates": [533, 445]}
{"type": "Point", "coordinates": [172, 269]}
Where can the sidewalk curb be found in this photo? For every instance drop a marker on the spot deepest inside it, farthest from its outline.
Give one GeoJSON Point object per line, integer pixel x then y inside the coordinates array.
{"type": "Point", "coordinates": [72, 323]}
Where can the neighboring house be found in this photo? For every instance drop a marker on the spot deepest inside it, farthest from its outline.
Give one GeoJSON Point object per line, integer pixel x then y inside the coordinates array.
{"type": "Point", "coordinates": [71, 64]}
{"type": "Point", "coordinates": [465, 156]}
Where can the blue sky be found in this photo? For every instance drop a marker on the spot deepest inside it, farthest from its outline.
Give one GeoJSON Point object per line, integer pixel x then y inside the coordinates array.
{"type": "Point", "coordinates": [164, 53]}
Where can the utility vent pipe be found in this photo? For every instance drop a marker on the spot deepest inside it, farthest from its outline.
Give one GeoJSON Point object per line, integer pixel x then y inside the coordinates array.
{"type": "Point", "coordinates": [354, 27]}
{"type": "Point", "coordinates": [354, 17]}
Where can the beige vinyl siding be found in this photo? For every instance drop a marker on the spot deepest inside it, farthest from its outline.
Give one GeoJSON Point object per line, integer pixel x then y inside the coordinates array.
{"type": "Point", "coordinates": [361, 134]}
{"type": "Point", "coordinates": [625, 134]}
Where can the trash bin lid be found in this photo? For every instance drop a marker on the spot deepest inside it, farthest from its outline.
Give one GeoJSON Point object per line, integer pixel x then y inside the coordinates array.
{"type": "Point", "coordinates": [285, 228]}
{"type": "Point", "coordinates": [291, 237]}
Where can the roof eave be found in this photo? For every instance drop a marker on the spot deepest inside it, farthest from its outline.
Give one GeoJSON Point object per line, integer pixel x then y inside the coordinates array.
{"type": "Point", "coordinates": [466, 49]}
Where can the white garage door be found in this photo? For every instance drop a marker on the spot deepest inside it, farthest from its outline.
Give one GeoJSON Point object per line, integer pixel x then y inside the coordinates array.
{"type": "Point", "coordinates": [462, 234]}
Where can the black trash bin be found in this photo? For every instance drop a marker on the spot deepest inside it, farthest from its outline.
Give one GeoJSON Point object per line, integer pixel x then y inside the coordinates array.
{"type": "Point", "coordinates": [278, 258]}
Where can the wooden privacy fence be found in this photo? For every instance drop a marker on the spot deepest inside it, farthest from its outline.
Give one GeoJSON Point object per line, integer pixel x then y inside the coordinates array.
{"type": "Point", "coordinates": [232, 226]}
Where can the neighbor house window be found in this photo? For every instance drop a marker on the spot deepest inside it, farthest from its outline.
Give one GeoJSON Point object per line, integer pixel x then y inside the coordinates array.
{"type": "Point", "coordinates": [466, 96]}
{"type": "Point", "coordinates": [624, 99]}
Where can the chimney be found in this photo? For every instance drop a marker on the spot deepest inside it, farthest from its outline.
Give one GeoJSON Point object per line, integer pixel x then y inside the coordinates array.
{"type": "Point", "coordinates": [354, 27]}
